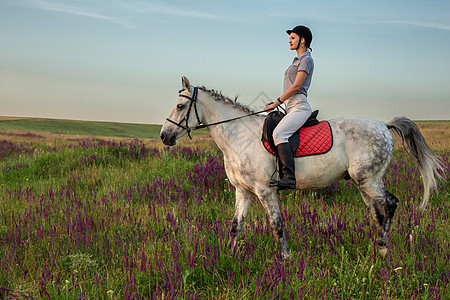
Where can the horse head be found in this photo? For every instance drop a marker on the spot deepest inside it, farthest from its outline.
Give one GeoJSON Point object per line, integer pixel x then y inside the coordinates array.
{"type": "Point", "coordinates": [184, 116]}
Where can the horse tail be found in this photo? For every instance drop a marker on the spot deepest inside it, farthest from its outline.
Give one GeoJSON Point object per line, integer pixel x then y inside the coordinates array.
{"type": "Point", "coordinates": [430, 165]}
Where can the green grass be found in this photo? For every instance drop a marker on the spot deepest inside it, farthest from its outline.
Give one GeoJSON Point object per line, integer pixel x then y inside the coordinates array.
{"type": "Point", "coordinates": [108, 165]}
{"type": "Point", "coordinates": [103, 220]}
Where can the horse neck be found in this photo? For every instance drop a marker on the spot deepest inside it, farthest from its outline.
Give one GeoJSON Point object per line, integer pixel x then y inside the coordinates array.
{"type": "Point", "coordinates": [231, 135]}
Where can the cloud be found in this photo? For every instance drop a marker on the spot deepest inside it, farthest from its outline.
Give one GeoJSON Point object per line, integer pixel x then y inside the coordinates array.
{"type": "Point", "coordinates": [78, 11]}
{"type": "Point", "coordinates": [419, 24]}
{"type": "Point", "coordinates": [145, 7]}
{"type": "Point", "coordinates": [68, 9]}
{"type": "Point", "coordinates": [120, 12]}
{"type": "Point", "coordinates": [422, 14]}
{"type": "Point", "coordinates": [352, 20]}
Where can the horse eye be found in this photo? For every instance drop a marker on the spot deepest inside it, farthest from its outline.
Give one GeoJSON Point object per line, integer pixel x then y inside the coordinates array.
{"type": "Point", "coordinates": [180, 106]}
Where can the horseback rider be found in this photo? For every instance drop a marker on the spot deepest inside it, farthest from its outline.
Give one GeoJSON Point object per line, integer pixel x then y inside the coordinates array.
{"type": "Point", "coordinates": [297, 80]}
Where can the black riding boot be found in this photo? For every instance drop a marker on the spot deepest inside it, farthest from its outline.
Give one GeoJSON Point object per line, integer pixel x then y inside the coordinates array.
{"type": "Point", "coordinates": [286, 156]}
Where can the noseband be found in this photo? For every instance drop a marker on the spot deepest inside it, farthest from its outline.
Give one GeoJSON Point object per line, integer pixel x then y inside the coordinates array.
{"type": "Point", "coordinates": [200, 125]}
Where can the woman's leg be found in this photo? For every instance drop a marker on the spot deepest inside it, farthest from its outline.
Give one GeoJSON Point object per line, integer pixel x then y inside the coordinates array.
{"type": "Point", "coordinates": [284, 130]}
{"type": "Point", "coordinates": [290, 124]}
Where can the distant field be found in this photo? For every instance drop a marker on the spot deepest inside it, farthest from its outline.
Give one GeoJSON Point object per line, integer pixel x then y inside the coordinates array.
{"type": "Point", "coordinates": [437, 133]}
{"type": "Point", "coordinates": [89, 128]}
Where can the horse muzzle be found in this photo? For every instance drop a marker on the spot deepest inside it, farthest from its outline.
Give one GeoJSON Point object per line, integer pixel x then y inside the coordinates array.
{"type": "Point", "coordinates": [168, 139]}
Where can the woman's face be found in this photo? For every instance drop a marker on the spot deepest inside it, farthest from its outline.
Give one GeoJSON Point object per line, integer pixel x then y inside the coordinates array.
{"type": "Point", "coordinates": [294, 40]}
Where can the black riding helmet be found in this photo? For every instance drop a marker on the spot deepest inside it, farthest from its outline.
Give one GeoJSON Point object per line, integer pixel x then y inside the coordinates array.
{"type": "Point", "coordinates": [303, 32]}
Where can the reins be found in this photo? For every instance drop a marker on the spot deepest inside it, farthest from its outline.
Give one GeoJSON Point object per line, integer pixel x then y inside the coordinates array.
{"type": "Point", "coordinates": [200, 125]}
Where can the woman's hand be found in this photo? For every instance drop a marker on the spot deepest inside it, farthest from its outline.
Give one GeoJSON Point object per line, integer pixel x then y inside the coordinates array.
{"type": "Point", "coordinates": [270, 106]}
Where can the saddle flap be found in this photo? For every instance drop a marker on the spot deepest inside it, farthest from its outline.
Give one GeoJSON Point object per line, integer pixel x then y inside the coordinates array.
{"type": "Point", "coordinates": [272, 121]}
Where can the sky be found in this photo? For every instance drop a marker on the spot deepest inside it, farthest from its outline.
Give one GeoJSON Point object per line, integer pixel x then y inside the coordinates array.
{"type": "Point", "coordinates": [122, 61]}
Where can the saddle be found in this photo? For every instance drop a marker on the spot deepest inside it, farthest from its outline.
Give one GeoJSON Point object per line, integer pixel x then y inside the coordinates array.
{"type": "Point", "coordinates": [316, 137]}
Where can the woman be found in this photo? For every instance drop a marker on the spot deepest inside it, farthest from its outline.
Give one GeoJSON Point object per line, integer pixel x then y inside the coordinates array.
{"type": "Point", "coordinates": [297, 80]}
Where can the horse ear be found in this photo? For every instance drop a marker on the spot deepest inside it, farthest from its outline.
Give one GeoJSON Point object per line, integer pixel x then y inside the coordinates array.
{"type": "Point", "coordinates": [185, 82]}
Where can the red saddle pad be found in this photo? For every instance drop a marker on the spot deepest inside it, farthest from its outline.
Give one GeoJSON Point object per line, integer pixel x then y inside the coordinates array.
{"type": "Point", "coordinates": [317, 139]}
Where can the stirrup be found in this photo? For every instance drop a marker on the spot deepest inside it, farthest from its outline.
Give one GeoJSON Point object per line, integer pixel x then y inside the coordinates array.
{"type": "Point", "coordinates": [273, 182]}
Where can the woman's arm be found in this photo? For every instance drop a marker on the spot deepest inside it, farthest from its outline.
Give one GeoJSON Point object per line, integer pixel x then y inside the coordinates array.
{"type": "Point", "coordinates": [299, 79]}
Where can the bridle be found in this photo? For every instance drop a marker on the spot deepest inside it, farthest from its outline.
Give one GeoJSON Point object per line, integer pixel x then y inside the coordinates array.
{"type": "Point", "coordinates": [200, 125]}
{"type": "Point", "coordinates": [193, 103]}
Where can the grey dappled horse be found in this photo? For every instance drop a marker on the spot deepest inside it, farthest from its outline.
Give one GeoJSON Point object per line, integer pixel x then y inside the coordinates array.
{"type": "Point", "coordinates": [362, 151]}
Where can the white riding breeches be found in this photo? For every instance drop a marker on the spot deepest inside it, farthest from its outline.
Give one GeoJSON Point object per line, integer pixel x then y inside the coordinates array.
{"type": "Point", "coordinates": [298, 111]}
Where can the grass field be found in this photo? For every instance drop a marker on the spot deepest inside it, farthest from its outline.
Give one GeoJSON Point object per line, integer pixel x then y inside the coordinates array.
{"type": "Point", "coordinates": [88, 128]}
{"type": "Point", "coordinates": [123, 218]}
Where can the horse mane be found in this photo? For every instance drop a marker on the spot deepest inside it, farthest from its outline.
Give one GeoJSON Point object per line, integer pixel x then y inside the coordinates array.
{"type": "Point", "coordinates": [218, 96]}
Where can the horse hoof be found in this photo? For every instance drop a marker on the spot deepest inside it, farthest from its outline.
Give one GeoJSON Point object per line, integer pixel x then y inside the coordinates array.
{"type": "Point", "coordinates": [383, 251]}
{"type": "Point", "coordinates": [286, 256]}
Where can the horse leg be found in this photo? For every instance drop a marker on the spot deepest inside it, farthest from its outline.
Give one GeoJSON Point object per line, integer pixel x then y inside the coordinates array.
{"type": "Point", "coordinates": [392, 202]}
{"type": "Point", "coordinates": [376, 210]}
{"type": "Point", "coordinates": [268, 198]}
{"type": "Point", "coordinates": [382, 205]}
{"type": "Point", "coordinates": [243, 201]}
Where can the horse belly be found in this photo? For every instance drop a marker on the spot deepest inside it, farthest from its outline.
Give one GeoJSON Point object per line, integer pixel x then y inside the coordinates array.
{"type": "Point", "coordinates": [319, 171]}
